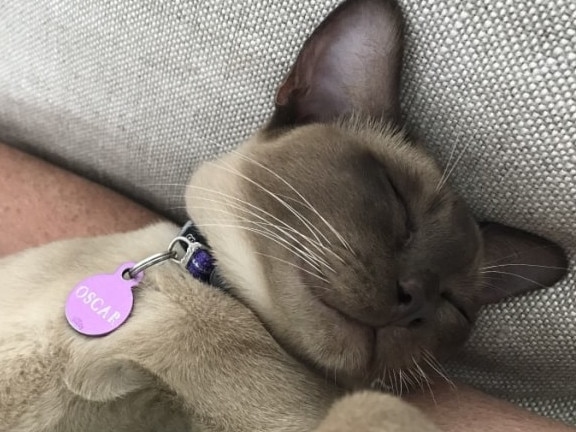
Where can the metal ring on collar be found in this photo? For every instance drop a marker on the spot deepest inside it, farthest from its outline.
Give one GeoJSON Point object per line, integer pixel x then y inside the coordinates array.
{"type": "Point", "coordinates": [150, 261]}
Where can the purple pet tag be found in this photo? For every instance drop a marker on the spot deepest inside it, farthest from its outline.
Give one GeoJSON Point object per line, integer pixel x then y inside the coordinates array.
{"type": "Point", "coordinates": [100, 304]}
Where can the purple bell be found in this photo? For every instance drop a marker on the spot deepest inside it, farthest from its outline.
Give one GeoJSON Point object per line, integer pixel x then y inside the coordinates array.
{"type": "Point", "coordinates": [201, 264]}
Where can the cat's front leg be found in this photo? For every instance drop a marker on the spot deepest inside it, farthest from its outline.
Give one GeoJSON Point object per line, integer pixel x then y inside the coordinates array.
{"type": "Point", "coordinates": [370, 411]}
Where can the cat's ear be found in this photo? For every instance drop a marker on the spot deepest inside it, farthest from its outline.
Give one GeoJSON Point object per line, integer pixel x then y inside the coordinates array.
{"type": "Point", "coordinates": [350, 64]}
{"type": "Point", "coordinates": [516, 262]}
{"type": "Point", "coordinates": [104, 379]}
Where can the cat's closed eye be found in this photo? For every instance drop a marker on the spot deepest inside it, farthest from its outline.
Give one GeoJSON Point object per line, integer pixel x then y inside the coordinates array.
{"type": "Point", "coordinates": [407, 234]}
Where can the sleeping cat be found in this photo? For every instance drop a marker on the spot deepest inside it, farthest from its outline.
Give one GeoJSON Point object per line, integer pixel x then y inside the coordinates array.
{"type": "Point", "coordinates": [343, 260]}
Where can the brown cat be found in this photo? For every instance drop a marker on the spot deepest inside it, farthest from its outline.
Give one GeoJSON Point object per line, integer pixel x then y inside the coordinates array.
{"type": "Point", "coordinates": [345, 261]}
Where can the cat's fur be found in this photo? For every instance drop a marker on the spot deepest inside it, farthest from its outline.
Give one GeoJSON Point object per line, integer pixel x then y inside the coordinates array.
{"type": "Point", "coordinates": [347, 261]}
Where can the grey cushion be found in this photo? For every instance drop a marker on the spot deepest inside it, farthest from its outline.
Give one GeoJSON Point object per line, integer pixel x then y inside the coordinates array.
{"type": "Point", "coordinates": [135, 93]}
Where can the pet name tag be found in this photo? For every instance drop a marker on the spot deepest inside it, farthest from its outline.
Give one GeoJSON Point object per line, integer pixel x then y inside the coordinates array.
{"type": "Point", "coordinates": [100, 304]}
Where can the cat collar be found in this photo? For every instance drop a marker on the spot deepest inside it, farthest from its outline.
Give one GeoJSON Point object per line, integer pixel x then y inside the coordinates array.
{"type": "Point", "coordinates": [189, 249]}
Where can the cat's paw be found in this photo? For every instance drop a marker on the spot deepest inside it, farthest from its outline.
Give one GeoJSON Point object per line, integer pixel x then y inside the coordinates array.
{"type": "Point", "coordinates": [374, 412]}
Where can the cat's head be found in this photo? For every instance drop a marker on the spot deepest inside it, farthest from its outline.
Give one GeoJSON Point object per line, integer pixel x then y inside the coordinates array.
{"type": "Point", "coordinates": [340, 233]}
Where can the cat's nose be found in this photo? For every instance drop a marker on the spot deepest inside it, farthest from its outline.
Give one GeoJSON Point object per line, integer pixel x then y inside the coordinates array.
{"type": "Point", "coordinates": [415, 301]}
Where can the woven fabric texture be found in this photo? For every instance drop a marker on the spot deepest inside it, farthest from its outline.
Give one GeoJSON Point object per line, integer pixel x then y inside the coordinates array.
{"type": "Point", "coordinates": [136, 93]}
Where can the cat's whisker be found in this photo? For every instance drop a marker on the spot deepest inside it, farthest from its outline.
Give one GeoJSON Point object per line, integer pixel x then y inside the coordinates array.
{"type": "Point", "coordinates": [429, 385]}
{"type": "Point", "coordinates": [305, 221]}
{"type": "Point", "coordinates": [517, 254]}
{"type": "Point", "coordinates": [266, 225]}
{"type": "Point", "coordinates": [151, 185]}
{"type": "Point", "coordinates": [448, 163]}
{"type": "Point", "coordinates": [413, 371]}
{"type": "Point", "coordinates": [316, 244]}
{"type": "Point", "coordinates": [396, 382]}
{"type": "Point", "coordinates": [425, 378]}
{"type": "Point", "coordinates": [380, 383]}
{"type": "Point", "coordinates": [318, 288]}
{"type": "Point", "coordinates": [419, 370]}
{"type": "Point", "coordinates": [294, 265]}
{"type": "Point", "coordinates": [413, 379]}
{"type": "Point", "coordinates": [419, 378]}
{"type": "Point", "coordinates": [241, 201]}
{"type": "Point", "coordinates": [227, 196]}
{"type": "Point", "coordinates": [235, 218]}
{"type": "Point", "coordinates": [433, 363]}
{"type": "Point", "coordinates": [383, 383]}
{"type": "Point", "coordinates": [513, 274]}
{"type": "Point", "coordinates": [319, 248]}
{"type": "Point", "coordinates": [522, 265]}
{"type": "Point", "coordinates": [314, 255]}
{"type": "Point", "coordinates": [423, 383]}
{"type": "Point", "coordinates": [399, 380]}
{"type": "Point", "coordinates": [391, 381]}
{"type": "Point", "coordinates": [485, 284]}
{"type": "Point", "coordinates": [357, 361]}
{"type": "Point", "coordinates": [447, 177]}
{"type": "Point", "coordinates": [274, 173]}
{"type": "Point", "coordinates": [383, 379]}
{"type": "Point", "coordinates": [440, 370]}
{"type": "Point", "coordinates": [313, 230]}
{"type": "Point", "coordinates": [409, 377]}
{"type": "Point", "coordinates": [305, 201]}
{"type": "Point", "coordinates": [276, 239]}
